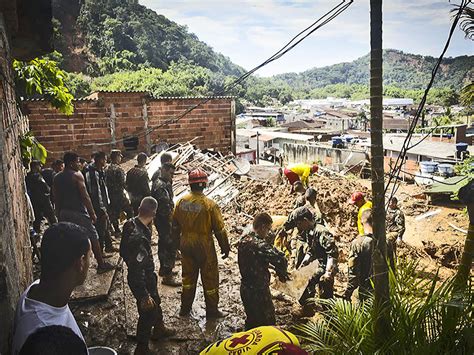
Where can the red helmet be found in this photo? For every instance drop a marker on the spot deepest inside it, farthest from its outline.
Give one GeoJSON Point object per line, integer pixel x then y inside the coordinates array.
{"type": "Point", "coordinates": [356, 196]}
{"type": "Point", "coordinates": [314, 168]}
{"type": "Point", "coordinates": [196, 176]}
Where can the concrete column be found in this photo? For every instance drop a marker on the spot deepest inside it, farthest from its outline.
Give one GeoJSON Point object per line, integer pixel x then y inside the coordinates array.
{"type": "Point", "coordinates": [112, 125]}
{"type": "Point", "coordinates": [233, 134]}
{"type": "Point", "coordinates": [145, 126]}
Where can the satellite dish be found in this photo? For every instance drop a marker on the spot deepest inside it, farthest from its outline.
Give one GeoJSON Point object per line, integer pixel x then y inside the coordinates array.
{"type": "Point", "coordinates": [242, 165]}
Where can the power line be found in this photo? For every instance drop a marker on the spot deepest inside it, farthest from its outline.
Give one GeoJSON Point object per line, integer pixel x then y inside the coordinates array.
{"type": "Point", "coordinates": [405, 147]}
{"type": "Point", "coordinates": [301, 36]}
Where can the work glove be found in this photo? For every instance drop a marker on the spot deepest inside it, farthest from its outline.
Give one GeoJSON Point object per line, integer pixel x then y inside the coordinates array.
{"type": "Point", "coordinates": [305, 260]}
{"type": "Point", "coordinates": [147, 304]}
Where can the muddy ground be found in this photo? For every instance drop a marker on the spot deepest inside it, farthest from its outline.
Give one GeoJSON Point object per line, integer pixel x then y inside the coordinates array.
{"type": "Point", "coordinates": [431, 241]}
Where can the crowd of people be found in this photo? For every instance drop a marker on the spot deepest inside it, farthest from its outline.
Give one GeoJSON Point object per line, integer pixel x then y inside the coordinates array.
{"type": "Point", "coordinates": [83, 204]}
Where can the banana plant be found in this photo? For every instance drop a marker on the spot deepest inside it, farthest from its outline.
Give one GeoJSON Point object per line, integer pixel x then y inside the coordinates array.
{"type": "Point", "coordinates": [31, 149]}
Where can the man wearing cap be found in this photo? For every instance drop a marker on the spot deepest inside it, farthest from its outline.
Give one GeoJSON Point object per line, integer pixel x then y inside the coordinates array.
{"type": "Point", "coordinates": [195, 219]}
{"type": "Point", "coordinates": [358, 199]}
{"type": "Point", "coordinates": [299, 172]}
{"type": "Point", "coordinates": [138, 182]}
{"type": "Point", "coordinates": [162, 191]}
{"type": "Point", "coordinates": [320, 246]}
{"type": "Point", "coordinates": [115, 179]}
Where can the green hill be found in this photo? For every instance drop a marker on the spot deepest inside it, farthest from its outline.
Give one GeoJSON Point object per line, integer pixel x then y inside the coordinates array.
{"type": "Point", "coordinates": [404, 70]}
{"type": "Point", "coordinates": [99, 37]}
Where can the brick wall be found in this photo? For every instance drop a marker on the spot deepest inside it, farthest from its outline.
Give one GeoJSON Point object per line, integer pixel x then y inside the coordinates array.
{"type": "Point", "coordinates": [15, 250]}
{"type": "Point", "coordinates": [104, 119]}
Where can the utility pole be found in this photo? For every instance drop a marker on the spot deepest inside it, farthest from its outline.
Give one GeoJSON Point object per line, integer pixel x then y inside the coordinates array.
{"type": "Point", "coordinates": [380, 267]}
{"type": "Point", "coordinates": [258, 149]}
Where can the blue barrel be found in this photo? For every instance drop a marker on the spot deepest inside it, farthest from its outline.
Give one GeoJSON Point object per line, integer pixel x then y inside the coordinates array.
{"type": "Point", "coordinates": [461, 147]}
{"type": "Point", "coordinates": [348, 138]}
{"type": "Point", "coordinates": [428, 166]}
{"type": "Point", "coordinates": [336, 140]}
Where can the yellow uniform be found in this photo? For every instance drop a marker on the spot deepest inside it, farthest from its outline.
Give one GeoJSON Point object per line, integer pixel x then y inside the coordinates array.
{"type": "Point", "coordinates": [195, 219]}
{"type": "Point", "coordinates": [365, 206]}
{"type": "Point", "coordinates": [261, 340]}
{"type": "Point", "coordinates": [303, 171]}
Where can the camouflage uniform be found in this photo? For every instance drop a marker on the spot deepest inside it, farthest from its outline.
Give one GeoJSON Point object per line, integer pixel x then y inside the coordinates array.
{"type": "Point", "coordinates": [255, 256]}
{"type": "Point", "coordinates": [138, 186]}
{"type": "Point", "coordinates": [322, 247]}
{"type": "Point", "coordinates": [395, 226]}
{"type": "Point", "coordinates": [300, 201]}
{"type": "Point", "coordinates": [115, 179]}
{"type": "Point", "coordinates": [162, 191]}
{"type": "Point", "coordinates": [135, 249]}
{"type": "Point", "coordinates": [39, 193]}
{"type": "Point", "coordinates": [360, 266]}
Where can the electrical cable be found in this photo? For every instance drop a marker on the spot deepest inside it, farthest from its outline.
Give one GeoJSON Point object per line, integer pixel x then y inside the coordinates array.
{"type": "Point", "coordinates": [326, 18]}
{"type": "Point", "coordinates": [405, 147]}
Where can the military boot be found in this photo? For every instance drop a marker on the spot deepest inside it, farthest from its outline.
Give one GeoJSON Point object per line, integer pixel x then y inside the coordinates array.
{"type": "Point", "coordinates": [160, 332]}
{"type": "Point", "coordinates": [170, 280]}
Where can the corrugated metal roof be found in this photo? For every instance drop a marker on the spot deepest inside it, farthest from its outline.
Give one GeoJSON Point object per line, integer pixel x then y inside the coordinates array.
{"type": "Point", "coordinates": [43, 99]}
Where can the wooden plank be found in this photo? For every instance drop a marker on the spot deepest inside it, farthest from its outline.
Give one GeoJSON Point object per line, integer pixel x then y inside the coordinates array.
{"type": "Point", "coordinates": [97, 286]}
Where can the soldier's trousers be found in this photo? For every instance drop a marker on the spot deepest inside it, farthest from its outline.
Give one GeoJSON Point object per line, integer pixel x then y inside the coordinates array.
{"type": "Point", "coordinates": [148, 319]}
{"type": "Point", "coordinates": [258, 306]}
{"type": "Point", "coordinates": [326, 288]}
{"type": "Point", "coordinates": [45, 211]}
{"type": "Point", "coordinates": [300, 249]}
{"type": "Point", "coordinates": [166, 245]}
{"type": "Point", "coordinates": [199, 259]}
{"type": "Point", "coordinates": [102, 226]}
{"type": "Point", "coordinates": [116, 207]}
{"type": "Point", "coordinates": [392, 249]}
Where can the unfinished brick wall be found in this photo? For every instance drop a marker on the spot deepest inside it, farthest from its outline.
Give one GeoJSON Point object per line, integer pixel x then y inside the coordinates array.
{"type": "Point", "coordinates": [102, 121]}
{"type": "Point", "coordinates": [15, 250]}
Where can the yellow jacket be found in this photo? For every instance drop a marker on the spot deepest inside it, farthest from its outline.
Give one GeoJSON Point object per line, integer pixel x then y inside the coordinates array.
{"type": "Point", "coordinates": [303, 171]}
{"type": "Point", "coordinates": [195, 218]}
{"type": "Point", "coordinates": [364, 207]}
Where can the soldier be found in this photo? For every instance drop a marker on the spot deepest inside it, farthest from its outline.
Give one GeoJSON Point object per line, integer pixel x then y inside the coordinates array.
{"type": "Point", "coordinates": [195, 219]}
{"type": "Point", "coordinates": [255, 256]}
{"type": "Point", "coordinates": [395, 227]}
{"type": "Point", "coordinates": [137, 182]}
{"type": "Point", "coordinates": [164, 159]}
{"type": "Point", "coordinates": [97, 189]}
{"type": "Point", "coordinates": [115, 179]}
{"type": "Point", "coordinates": [162, 191]}
{"type": "Point", "coordinates": [310, 196]}
{"type": "Point", "coordinates": [39, 193]}
{"type": "Point", "coordinates": [318, 245]}
{"type": "Point", "coordinates": [360, 260]}
{"type": "Point", "coordinates": [300, 191]}
{"type": "Point", "coordinates": [135, 249]}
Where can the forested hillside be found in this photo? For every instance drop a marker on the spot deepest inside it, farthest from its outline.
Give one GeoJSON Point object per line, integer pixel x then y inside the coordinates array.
{"type": "Point", "coordinates": [408, 71]}
{"type": "Point", "coordinates": [122, 45]}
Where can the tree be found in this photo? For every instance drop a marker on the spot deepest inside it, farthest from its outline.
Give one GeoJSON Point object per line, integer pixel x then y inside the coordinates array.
{"type": "Point", "coordinates": [43, 77]}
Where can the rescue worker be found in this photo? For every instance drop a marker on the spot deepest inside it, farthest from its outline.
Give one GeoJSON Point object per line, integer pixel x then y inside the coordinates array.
{"type": "Point", "coordinates": [49, 173]}
{"type": "Point", "coordinates": [358, 199]}
{"type": "Point", "coordinates": [360, 260]}
{"type": "Point", "coordinates": [300, 191]}
{"type": "Point", "coordinates": [255, 256]}
{"type": "Point", "coordinates": [310, 196]}
{"type": "Point", "coordinates": [165, 158]}
{"type": "Point", "coordinates": [299, 172]}
{"type": "Point", "coordinates": [137, 182]}
{"type": "Point", "coordinates": [195, 218]}
{"type": "Point", "coordinates": [135, 249]}
{"type": "Point", "coordinates": [162, 191]}
{"type": "Point", "coordinates": [395, 227]}
{"type": "Point", "coordinates": [320, 246]}
{"type": "Point", "coordinates": [115, 179]}
{"type": "Point", "coordinates": [39, 193]}
{"type": "Point", "coordinates": [97, 189]}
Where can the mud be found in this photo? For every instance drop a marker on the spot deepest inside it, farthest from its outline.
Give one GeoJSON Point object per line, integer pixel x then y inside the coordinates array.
{"type": "Point", "coordinates": [107, 322]}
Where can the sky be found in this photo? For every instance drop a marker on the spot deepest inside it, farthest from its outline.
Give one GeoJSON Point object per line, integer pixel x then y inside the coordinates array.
{"type": "Point", "coordinates": [250, 31]}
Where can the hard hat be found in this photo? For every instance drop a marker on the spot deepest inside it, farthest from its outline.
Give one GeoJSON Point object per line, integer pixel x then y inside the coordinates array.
{"type": "Point", "coordinates": [196, 176]}
{"type": "Point", "coordinates": [314, 168]}
{"type": "Point", "coordinates": [356, 196]}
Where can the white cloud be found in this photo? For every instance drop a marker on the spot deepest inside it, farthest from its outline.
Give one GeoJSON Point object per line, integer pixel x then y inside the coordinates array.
{"type": "Point", "coordinates": [251, 30]}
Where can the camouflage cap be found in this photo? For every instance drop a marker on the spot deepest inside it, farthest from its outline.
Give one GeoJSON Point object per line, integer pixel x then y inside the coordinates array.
{"type": "Point", "coordinates": [115, 153]}
{"type": "Point", "coordinates": [302, 213]}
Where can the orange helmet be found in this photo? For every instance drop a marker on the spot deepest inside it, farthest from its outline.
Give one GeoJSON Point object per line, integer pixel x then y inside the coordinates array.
{"type": "Point", "coordinates": [314, 168]}
{"type": "Point", "coordinates": [196, 176]}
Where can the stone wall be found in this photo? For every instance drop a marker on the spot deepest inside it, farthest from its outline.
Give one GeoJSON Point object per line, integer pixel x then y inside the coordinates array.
{"type": "Point", "coordinates": [104, 119]}
{"type": "Point", "coordinates": [15, 250]}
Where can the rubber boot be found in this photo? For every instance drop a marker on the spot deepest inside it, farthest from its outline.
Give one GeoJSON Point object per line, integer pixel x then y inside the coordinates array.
{"type": "Point", "coordinates": [160, 332]}
{"type": "Point", "coordinates": [170, 280]}
{"type": "Point", "coordinates": [142, 349]}
{"type": "Point", "coordinates": [216, 314]}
